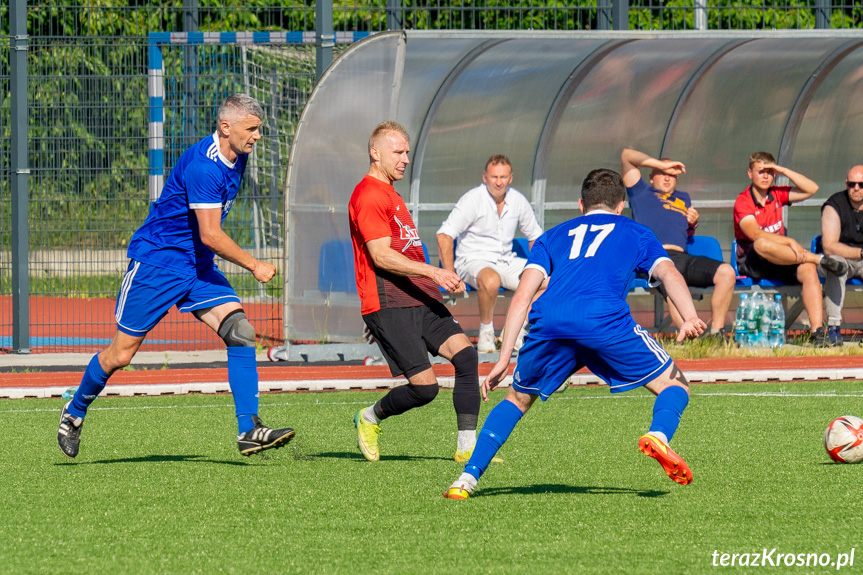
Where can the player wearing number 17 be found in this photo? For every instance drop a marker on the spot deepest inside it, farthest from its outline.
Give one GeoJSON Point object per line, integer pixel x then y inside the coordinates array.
{"type": "Point", "coordinates": [583, 319]}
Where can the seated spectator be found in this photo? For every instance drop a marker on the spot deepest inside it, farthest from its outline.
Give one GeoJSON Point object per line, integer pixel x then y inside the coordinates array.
{"type": "Point", "coordinates": [763, 249]}
{"type": "Point", "coordinates": [484, 221]}
{"type": "Point", "coordinates": [670, 216]}
{"type": "Point", "coordinates": [842, 238]}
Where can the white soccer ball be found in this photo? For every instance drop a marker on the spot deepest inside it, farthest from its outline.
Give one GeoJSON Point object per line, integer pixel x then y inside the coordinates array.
{"type": "Point", "coordinates": [843, 439]}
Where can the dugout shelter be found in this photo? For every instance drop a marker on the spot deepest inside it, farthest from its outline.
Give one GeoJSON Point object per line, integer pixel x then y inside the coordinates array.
{"type": "Point", "coordinates": [559, 104]}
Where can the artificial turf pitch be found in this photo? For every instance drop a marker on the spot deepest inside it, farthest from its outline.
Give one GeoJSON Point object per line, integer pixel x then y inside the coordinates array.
{"type": "Point", "coordinates": [159, 487]}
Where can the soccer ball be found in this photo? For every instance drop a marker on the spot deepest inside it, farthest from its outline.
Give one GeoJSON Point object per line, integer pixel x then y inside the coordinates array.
{"type": "Point", "coordinates": [843, 439]}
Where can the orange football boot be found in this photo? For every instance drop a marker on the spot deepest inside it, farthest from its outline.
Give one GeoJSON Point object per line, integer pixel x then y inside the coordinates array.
{"type": "Point", "coordinates": [672, 464]}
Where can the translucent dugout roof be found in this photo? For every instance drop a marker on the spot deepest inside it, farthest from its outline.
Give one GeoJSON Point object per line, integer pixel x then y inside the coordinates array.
{"type": "Point", "coordinates": [560, 104]}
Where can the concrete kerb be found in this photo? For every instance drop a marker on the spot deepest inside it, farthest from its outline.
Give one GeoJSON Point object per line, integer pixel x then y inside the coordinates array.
{"type": "Point", "coordinates": [344, 352]}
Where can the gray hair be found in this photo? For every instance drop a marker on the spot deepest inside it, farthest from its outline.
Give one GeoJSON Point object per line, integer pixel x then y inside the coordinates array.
{"type": "Point", "coordinates": [239, 106]}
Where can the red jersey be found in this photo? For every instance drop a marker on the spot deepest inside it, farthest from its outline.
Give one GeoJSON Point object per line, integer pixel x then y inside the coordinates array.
{"type": "Point", "coordinates": [769, 216]}
{"type": "Point", "coordinates": [377, 211]}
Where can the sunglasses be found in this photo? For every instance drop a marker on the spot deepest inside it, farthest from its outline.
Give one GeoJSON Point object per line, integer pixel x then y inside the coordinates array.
{"type": "Point", "coordinates": [854, 184]}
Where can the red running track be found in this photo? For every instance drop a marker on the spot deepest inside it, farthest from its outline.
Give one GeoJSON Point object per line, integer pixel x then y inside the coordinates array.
{"type": "Point", "coordinates": [282, 372]}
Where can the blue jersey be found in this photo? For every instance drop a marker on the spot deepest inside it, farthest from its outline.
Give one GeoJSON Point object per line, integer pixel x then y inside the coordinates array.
{"type": "Point", "coordinates": [665, 215]}
{"type": "Point", "coordinates": [591, 261]}
{"type": "Point", "coordinates": [202, 178]}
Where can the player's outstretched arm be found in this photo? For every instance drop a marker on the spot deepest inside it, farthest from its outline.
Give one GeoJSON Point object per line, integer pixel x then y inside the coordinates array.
{"type": "Point", "coordinates": [386, 258]}
{"type": "Point", "coordinates": [212, 236]}
{"type": "Point", "coordinates": [531, 280]}
{"type": "Point", "coordinates": [678, 291]}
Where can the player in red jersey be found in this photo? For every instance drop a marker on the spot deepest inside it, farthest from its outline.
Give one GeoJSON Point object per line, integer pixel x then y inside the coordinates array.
{"type": "Point", "coordinates": [401, 302]}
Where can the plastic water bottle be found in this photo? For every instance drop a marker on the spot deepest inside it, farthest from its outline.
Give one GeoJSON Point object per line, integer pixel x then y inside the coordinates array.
{"type": "Point", "coordinates": [69, 393]}
{"type": "Point", "coordinates": [767, 323]}
{"type": "Point", "coordinates": [777, 325]}
{"type": "Point", "coordinates": [756, 312]}
{"type": "Point", "coordinates": [741, 322]}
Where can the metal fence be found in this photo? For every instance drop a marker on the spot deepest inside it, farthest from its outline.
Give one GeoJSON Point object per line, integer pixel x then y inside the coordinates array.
{"type": "Point", "coordinates": [77, 18]}
{"type": "Point", "coordinates": [89, 164]}
{"type": "Point", "coordinates": [89, 113]}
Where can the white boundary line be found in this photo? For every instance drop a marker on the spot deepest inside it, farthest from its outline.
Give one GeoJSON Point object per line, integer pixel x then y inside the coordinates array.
{"type": "Point", "coordinates": [557, 397]}
{"type": "Point", "coordinates": [782, 375]}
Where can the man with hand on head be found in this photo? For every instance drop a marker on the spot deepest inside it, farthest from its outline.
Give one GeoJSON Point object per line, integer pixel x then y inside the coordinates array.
{"type": "Point", "coordinates": [669, 214]}
{"type": "Point", "coordinates": [763, 249]}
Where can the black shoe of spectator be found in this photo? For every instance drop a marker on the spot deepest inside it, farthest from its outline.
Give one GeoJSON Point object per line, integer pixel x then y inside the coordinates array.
{"type": "Point", "coordinates": [819, 338]}
{"type": "Point", "coordinates": [835, 266]}
{"type": "Point", "coordinates": [721, 336]}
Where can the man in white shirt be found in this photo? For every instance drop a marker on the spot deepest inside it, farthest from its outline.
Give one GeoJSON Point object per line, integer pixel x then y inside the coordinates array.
{"type": "Point", "coordinates": [484, 222]}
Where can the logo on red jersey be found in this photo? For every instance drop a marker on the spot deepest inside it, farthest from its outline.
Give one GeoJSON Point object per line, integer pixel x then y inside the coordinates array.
{"type": "Point", "coordinates": [773, 228]}
{"type": "Point", "coordinates": [409, 234]}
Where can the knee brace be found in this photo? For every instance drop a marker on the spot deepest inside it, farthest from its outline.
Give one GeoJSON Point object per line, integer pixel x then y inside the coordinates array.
{"type": "Point", "coordinates": [466, 364]}
{"type": "Point", "coordinates": [465, 394]}
{"type": "Point", "coordinates": [236, 331]}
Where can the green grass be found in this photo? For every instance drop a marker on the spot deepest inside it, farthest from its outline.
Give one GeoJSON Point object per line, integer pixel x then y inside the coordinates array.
{"type": "Point", "coordinates": [797, 346]}
{"type": "Point", "coordinates": [159, 487]}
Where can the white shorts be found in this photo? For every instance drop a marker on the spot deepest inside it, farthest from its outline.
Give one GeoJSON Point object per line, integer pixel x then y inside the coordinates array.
{"type": "Point", "coordinates": [508, 270]}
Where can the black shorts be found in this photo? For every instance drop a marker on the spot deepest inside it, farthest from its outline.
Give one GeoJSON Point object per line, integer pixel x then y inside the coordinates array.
{"type": "Point", "coordinates": [758, 268]}
{"type": "Point", "coordinates": [407, 335]}
{"type": "Point", "coordinates": [698, 271]}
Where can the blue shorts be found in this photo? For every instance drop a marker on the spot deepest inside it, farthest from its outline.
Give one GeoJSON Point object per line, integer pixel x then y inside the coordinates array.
{"type": "Point", "coordinates": [624, 358]}
{"type": "Point", "coordinates": [148, 292]}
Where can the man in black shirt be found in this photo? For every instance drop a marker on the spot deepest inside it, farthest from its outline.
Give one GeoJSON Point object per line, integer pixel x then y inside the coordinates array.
{"type": "Point", "coordinates": [842, 237]}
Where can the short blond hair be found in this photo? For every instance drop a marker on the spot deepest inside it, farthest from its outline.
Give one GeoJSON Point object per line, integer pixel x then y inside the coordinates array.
{"type": "Point", "coordinates": [385, 128]}
{"type": "Point", "coordinates": [763, 157]}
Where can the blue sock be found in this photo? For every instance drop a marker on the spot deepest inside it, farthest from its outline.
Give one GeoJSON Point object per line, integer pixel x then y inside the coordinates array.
{"type": "Point", "coordinates": [495, 431]}
{"type": "Point", "coordinates": [667, 410]}
{"type": "Point", "coordinates": [243, 379]}
{"type": "Point", "coordinates": [92, 383]}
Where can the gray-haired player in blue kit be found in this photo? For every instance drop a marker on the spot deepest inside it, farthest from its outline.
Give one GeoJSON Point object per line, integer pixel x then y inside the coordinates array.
{"type": "Point", "coordinates": [583, 319]}
{"type": "Point", "coordinates": [172, 264]}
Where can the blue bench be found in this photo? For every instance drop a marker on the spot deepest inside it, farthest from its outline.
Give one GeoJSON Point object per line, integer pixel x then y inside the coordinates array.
{"type": "Point", "coordinates": [706, 246]}
{"type": "Point", "coordinates": [336, 267]}
{"type": "Point", "coordinates": [816, 249]}
{"type": "Point", "coordinates": [770, 286]}
{"type": "Point", "coordinates": [709, 246]}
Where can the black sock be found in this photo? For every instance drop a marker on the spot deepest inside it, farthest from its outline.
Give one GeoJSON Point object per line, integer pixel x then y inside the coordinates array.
{"type": "Point", "coordinates": [465, 394]}
{"type": "Point", "coordinates": [403, 398]}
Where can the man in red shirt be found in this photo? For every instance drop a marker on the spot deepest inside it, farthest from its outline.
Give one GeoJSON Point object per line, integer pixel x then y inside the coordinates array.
{"type": "Point", "coordinates": [763, 249]}
{"type": "Point", "coordinates": [401, 301]}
